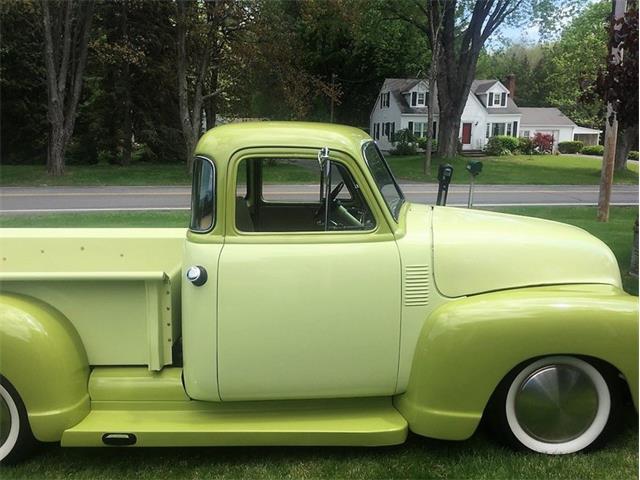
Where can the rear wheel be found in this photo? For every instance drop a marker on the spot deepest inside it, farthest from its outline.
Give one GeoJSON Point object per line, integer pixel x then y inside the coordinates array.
{"type": "Point", "coordinates": [16, 438]}
{"type": "Point", "coordinates": [554, 405]}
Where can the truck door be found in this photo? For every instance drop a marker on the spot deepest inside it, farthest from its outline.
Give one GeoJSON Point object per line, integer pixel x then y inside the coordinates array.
{"type": "Point", "coordinates": [309, 283]}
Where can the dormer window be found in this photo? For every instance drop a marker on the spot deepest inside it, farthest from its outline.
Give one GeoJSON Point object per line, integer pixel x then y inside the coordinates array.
{"type": "Point", "coordinates": [418, 99]}
{"type": "Point", "coordinates": [497, 99]}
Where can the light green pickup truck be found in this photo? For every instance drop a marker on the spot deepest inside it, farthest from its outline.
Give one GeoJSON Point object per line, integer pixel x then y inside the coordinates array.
{"type": "Point", "coordinates": [330, 313]}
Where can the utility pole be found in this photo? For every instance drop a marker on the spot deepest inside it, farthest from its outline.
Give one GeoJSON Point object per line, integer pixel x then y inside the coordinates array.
{"type": "Point", "coordinates": [611, 125]}
{"type": "Point", "coordinates": [333, 93]}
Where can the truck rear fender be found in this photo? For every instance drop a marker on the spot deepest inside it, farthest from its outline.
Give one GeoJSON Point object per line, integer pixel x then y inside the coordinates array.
{"type": "Point", "coordinates": [466, 348]}
{"type": "Point", "coordinates": [43, 357]}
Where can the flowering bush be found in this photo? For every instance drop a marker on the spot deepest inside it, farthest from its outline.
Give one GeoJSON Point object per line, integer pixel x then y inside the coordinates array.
{"type": "Point", "coordinates": [543, 142]}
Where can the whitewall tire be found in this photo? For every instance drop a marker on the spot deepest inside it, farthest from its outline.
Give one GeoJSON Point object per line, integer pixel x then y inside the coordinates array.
{"type": "Point", "coordinates": [16, 438]}
{"type": "Point", "coordinates": [554, 405]}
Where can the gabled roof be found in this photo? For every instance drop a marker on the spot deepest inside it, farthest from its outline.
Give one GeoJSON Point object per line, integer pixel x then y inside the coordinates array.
{"type": "Point", "coordinates": [481, 86]}
{"type": "Point", "coordinates": [551, 117]}
{"type": "Point", "coordinates": [397, 86]}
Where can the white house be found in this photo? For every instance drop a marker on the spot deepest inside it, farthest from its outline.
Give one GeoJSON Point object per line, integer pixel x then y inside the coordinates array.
{"type": "Point", "coordinates": [402, 104]}
{"type": "Point", "coordinates": [553, 121]}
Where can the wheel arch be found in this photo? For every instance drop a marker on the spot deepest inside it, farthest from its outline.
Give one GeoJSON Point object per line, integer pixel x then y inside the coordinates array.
{"type": "Point", "coordinates": [467, 347]}
{"type": "Point", "coordinates": [42, 356]}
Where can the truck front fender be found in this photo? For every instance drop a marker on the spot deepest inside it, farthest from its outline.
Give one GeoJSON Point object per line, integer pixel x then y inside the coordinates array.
{"type": "Point", "coordinates": [42, 356]}
{"type": "Point", "coordinates": [466, 348]}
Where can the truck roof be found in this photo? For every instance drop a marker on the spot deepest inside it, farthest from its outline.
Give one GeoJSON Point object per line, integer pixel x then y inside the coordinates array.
{"type": "Point", "coordinates": [222, 142]}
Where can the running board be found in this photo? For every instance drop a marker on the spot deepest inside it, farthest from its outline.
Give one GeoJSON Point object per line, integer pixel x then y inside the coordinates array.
{"type": "Point", "coordinates": [363, 422]}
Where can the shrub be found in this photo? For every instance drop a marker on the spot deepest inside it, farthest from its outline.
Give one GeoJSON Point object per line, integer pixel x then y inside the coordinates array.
{"type": "Point", "coordinates": [570, 147]}
{"type": "Point", "coordinates": [502, 145]}
{"type": "Point", "coordinates": [404, 143]}
{"type": "Point", "coordinates": [596, 150]}
{"type": "Point", "coordinates": [525, 146]}
{"type": "Point", "coordinates": [633, 155]}
{"type": "Point", "coordinates": [422, 144]}
{"type": "Point", "coordinates": [543, 142]}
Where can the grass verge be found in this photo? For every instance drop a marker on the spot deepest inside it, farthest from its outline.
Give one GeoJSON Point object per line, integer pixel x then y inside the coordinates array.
{"type": "Point", "coordinates": [519, 169]}
{"type": "Point", "coordinates": [135, 174]}
{"type": "Point", "coordinates": [477, 458]}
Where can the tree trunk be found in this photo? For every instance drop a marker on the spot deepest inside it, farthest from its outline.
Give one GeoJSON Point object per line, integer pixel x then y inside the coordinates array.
{"type": "Point", "coordinates": [432, 104]}
{"type": "Point", "coordinates": [211, 104]}
{"type": "Point", "coordinates": [127, 129]}
{"type": "Point", "coordinates": [448, 135]}
{"type": "Point", "coordinates": [65, 60]}
{"type": "Point", "coordinates": [627, 140]}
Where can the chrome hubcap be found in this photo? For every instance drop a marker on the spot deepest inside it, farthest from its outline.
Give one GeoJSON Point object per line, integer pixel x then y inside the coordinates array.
{"type": "Point", "coordinates": [5, 421]}
{"type": "Point", "coordinates": [556, 403]}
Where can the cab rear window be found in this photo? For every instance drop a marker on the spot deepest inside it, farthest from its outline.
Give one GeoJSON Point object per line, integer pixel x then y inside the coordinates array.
{"type": "Point", "coordinates": [203, 203]}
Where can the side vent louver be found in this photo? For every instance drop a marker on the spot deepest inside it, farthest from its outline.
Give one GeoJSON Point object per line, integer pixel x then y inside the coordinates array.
{"type": "Point", "coordinates": [416, 285]}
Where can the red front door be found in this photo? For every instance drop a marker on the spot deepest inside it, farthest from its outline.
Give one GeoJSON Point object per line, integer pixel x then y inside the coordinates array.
{"type": "Point", "coordinates": [466, 133]}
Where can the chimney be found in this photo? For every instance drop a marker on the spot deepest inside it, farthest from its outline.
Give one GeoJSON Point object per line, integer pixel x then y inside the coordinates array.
{"type": "Point", "coordinates": [511, 85]}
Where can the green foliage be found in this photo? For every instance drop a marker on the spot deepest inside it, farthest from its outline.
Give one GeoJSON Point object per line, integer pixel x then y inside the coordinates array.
{"type": "Point", "coordinates": [570, 146]}
{"type": "Point", "coordinates": [422, 144]}
{"type": "Point", "coordinates": [597, 150]}
{"type": "Point", "coordinates": [404, 143]}
{"type": "Point", "coordinates": [526, 146]}
{"type": "Point", "coordinates": [633, 155]}
{"type": "Point", "coordinates": [502, 145]}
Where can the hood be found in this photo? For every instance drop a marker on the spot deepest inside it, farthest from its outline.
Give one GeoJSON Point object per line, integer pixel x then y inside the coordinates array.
{"type": "Point", "coordinates": [478, 251]}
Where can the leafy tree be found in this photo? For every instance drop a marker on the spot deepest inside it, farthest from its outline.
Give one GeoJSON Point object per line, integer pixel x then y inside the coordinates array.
{"type": "Point", "coordinates": [23, 97]}
{"type": "Point", "coordinates": [467, 25]}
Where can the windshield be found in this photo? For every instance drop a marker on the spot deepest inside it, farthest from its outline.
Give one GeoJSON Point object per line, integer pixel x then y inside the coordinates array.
{"type": "Point", "coordinates": [393, 196]}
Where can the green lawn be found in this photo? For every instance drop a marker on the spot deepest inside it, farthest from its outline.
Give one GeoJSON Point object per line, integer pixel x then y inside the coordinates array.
{"type": "Point", "coordinates": [135, 174]}
{"type": "Point", "coordinates": [518, 169]}
{"type": "Point", "coordinates": [521, 169]}
{"type": "Point", "coordinates": [478, 458]}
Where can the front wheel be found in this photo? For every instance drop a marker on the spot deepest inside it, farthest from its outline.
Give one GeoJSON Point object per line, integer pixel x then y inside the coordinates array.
{"type": "Point", "coordinates": [554, 405]}
{"type": "Point", "coordinates": [16, 438]}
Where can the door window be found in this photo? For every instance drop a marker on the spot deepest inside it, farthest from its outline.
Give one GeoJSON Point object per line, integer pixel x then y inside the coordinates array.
{"type": "Point", "coordinates": [203, 206]}
{"type": "Point", "coordinates": [288, 195]}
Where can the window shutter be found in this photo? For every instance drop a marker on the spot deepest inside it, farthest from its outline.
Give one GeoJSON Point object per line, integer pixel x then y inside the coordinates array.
{"type": "Point", "coordinates": [388, 98]}
{"type": "Point", "coordinates": [490, 104]}
{"type": "Point", "coordinates": [381, 99]}
{"type": "Point", "coordinates": [435, 130]}
{"type": "Point", "coordinates": [411, 127]}
{"type": "Point", "coordinates": [393, 129]}
{"type": "Point", "coordinates": [414, 98]}
{"type": "Point", "coordinates": [515, 129]}
{"type": "Point", "coordinates": [503, 100]}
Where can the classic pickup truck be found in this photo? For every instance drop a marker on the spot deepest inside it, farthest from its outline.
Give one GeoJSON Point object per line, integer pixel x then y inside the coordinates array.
{"type": "Point", "coordinates": [333, 312]}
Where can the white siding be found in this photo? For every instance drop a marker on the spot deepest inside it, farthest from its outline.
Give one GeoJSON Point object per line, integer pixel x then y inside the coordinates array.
{"type": "Point", "coordinates": [475, 114]}
{"type": "Point", "coordinates": [560, 133]}
{"type": "Point", "coordinates": [381, 116]}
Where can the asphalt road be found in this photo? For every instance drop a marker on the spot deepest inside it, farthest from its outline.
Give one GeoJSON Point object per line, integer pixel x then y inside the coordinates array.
{"type": "Point", "coordinates": [31, 200]}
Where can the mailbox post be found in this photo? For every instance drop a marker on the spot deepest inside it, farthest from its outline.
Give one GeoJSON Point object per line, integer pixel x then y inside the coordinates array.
{"type": "Point", "coordinates": [445, 173]}
{"type": "Point", "coordinates": [474, 167]}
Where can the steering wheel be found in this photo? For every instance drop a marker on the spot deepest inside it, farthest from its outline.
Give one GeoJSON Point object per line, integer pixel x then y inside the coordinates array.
{"type": "Point", "coordinates": [332, 198]}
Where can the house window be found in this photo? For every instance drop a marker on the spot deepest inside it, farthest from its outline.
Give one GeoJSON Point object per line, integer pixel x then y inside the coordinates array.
{"type": "Point", "coordinates": [384, 100]}
{"type": "Point", "coordinates": [497, 129]}
{"type": "Point", "coordinates": [421, 98]}
{"type": "Point", "coordinates": [419, 129]}
{"type": "Point", "coordinates": [525, 133]}
{"type": "Point", "coordinates": [496, 100]}
{"type": "Point", "coordinates": [509, 129]}
{"type": "Point", "coordinates": [503, 100]}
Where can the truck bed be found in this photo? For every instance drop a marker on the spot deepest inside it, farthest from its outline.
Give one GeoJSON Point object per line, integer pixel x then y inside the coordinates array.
{"type": "Point", "coordinates": [119, 287]}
